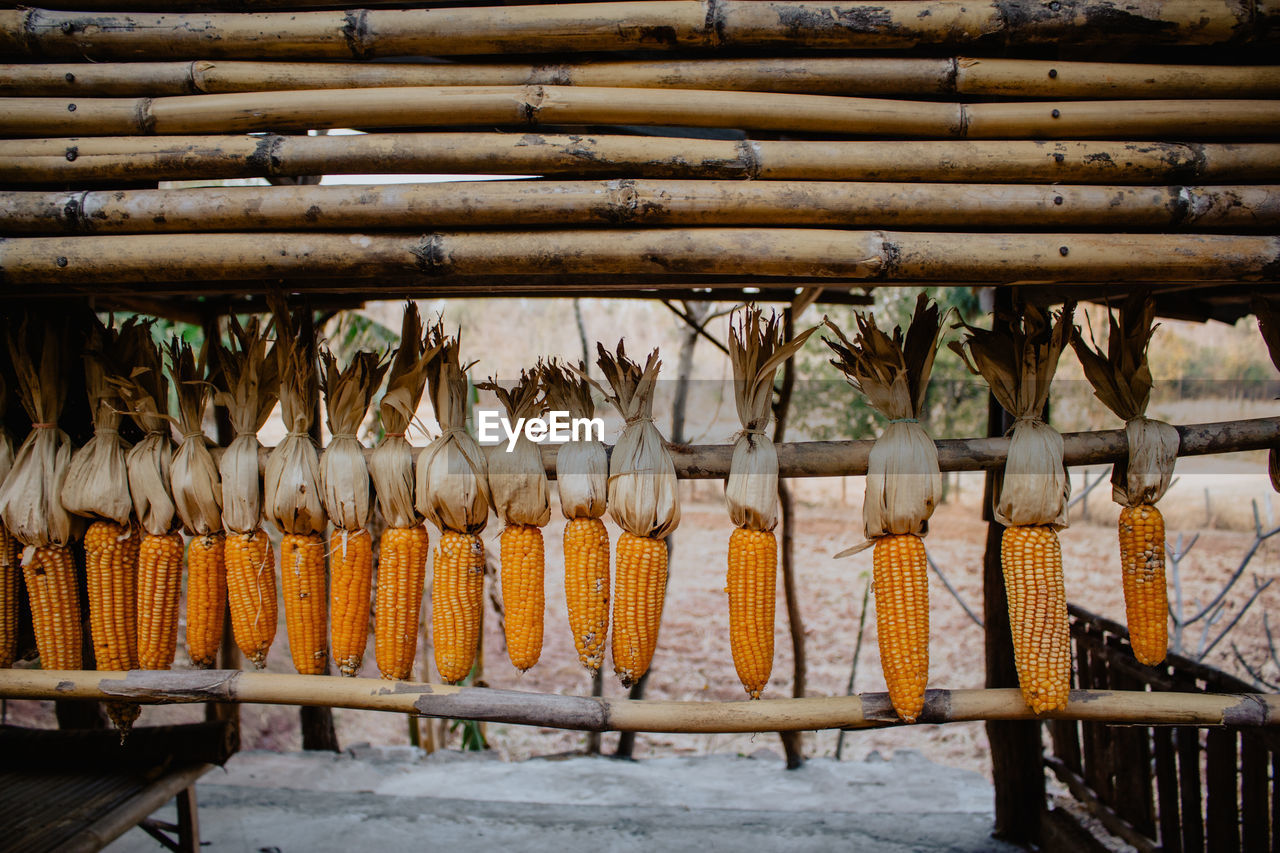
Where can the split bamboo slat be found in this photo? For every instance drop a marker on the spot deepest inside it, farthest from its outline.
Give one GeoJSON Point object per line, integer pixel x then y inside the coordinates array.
{"type": "Point", "coordinates": [883, 77]}
{"type": "Point", "coordinates": [594, 713]}
{"type": "Point", "coordinates": [683, 25]}
{"type": "Point", "coordinates": [1231, 209]}
{"type": "Point", "coordinates": [220, 156]}
{"type": "Point", "coordinates": [551, 106]}
{"type": "Point", "coordinates": [878, 257]}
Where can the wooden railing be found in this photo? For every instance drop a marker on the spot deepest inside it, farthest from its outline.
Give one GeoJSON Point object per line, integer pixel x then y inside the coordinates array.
{"type": "Point", "coordinates": [1168, 788]}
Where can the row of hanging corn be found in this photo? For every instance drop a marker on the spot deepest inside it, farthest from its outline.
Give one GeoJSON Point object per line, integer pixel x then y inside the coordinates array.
{"type": "Point", "coordinates": [137, 499]}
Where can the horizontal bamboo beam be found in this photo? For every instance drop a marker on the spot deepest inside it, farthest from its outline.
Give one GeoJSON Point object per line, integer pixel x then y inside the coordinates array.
{"type": "Point", "coordinates": [594, 713]}
{"type": "Point", "coordinates": [707, 25]}
{"type": "Point", "coordinates": [552, 106]}
{"type": "Point", "coordinates": [873, 256]}
{"type": "Point", "coordinates": [1234, 209]}
{"type": "Point", "coordinates": [884, 77]}
{"type": "Point", "coordinates": [26, 161]}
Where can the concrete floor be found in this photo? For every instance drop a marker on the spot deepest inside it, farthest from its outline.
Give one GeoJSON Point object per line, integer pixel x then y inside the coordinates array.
{"type": "Point", "coordinates": [390, 800]}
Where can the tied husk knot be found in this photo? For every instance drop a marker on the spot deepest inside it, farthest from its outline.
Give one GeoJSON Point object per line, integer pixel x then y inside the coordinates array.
{"type": "Point", "coordinates": [582, 466]}
{"type": "Point", "coordinates": [197, 488]}
{"type": "Point", "coordinates": [142, 385]}
{"type": "Point", "coordinates": [97, 484]}
{"type": "Point", "coordinates": [247, 384]}
{"type": "Point", "coordinates": [1018, 359]}
{"type": "Point", "coordinates": [904, 481]}
{"type": "Point", "coordinates": [757, 350]}
{"type": "Point", "coordinates": [643, 492]}
{"type": "Point", "coordinates": [517, 480]}
{"type": "Point", "coordinates": [344, 474]}
{"type": "Point", "coordinates": [1121, 379]}
{"type": "Point", "coordinates": [452, 477]}
{"type": "Point", "coordinates": [30, 496]}
{"type": "Point", "coordinates": [291, 481]}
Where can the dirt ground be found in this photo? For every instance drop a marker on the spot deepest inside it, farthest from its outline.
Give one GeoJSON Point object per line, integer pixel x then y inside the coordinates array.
{"type": "Point", "coordinates": [693, 661]}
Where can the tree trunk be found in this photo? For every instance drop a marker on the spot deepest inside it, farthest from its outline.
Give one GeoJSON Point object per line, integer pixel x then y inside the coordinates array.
{"type": "Point", "coordinates": [792, 742]}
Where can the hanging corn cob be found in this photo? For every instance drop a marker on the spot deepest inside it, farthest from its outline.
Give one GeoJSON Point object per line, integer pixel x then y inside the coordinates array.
{"type": "Point", "coordinates": [291, 494]}
{"type": "Point", "coordinates": [1018, 362]}
{"type": "Point", "coordinates": [97, 487]}
{"type": "Point", "coordinates": [344, 485]}
{"type": "Point", "coordinates": [756, 351]}
{"type": "Point", "coordinates": [246, 379]}
{"type": "Point", "coordinates": [645, 502]}
{"type": "Point", "coordinates": [1269, 326]}
{"type": "Point", "coordinates": [9, 563]}
{"type": "Point", "coordinates": [903, 485]}
{"type": "Point", "coordinates": [452, 492]}
{"type": "Point", "coordinates": [582, 480]}
{"type": "Point", "coordinates": [30, 496]}
{"type": "Point", "coordinates": [521, 498]}
{"type": "Point", "coordinates": [1121, 379]}
{"type": "Point", "coordinates": [145, 392]}
{"type": "Point", "coordinates": [197, 493]}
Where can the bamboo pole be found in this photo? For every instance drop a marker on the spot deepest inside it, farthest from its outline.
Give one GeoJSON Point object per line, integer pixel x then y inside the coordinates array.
{"type": "Point", "coordinates": [589, 713]}
{"type": "Point", "coordinates": [647, 25]}
{"type": "Point", "coordinates": [1233, 209]}
{"type": "Point", "coordinates": [218, 157]}
{"type": "Point", "coordinates": [875, 256]}
{"type": "Point", "coordinates": [811, 75]}
{"type": "Point", "coordinates": [550, 106]}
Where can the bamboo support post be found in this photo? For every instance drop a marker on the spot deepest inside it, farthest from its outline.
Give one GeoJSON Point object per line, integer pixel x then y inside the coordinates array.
{"type": "Point", "coordinates": [884, 77]}
{"type": "Point", "coordinates": [551, 106]}
{"type": "Point", "coordinates": [217, 157]}
{"type": "Point", "coordinates": [873, 256]}
{"type": "Point", "coordinates": [699, 25]}
{"type": "Point", "coordinates": [585, 713]}
{"type": "Point", "coordinates": [1232, 209]}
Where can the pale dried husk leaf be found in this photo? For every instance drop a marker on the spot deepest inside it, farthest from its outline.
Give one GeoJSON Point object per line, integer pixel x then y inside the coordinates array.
{"type": "Point", "coordinates": [97, 483]}
{"type": "Point", "coordinates": [344, 475]}
{"type": "Point", "coordinates": [247, 384]}
{"type": "Point", "coordinates": [193, 477]}
{"type": "Point", "coordinates": [1018, 361]}
{"type": "Point", "coordinates": [582, 467]}
{"type": "Point", "coordinates": [643, 492]}
{"type": "Point", "coordinates": [756, 351]}
{"type": "Point", "coordinates": [30, 496]}
{"type": "Point", "coordinates": [6, 440]}
{"type": "Point", "coordinates": [904, 482]}
{"type": "Point", "coordinates": [1269, 326]}
{"type": "Point", "coordinates": [518, 483]}
{"type": "Point", "coordinates": [1121, 379]}
{"type": "Point", "coordinates": [291, 480]}
{"type": "Point", "coordinates": [452, 477]}
{"type": "Point", "coordinates": [391, 465]}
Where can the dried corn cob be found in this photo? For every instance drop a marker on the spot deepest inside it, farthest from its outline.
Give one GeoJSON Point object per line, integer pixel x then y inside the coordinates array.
{"type": "Point", "coordinates": [752, 588]}
{"type": "Point", "coordinates": [351, 564]}
{"type": "Point", "coordinates": [1146, 598]}
{"type": "Point", "coordinates": [251, 593]}
{"type": "Point", "coordinates": [902, 619]}
{"type": "Point", "coordinates": [206, 598]}
{"type": "Point", "coordinates": [159, 586]}
{"type": "Point", "coordinates": [1032, 562]}
{"type": "Point", "coordinates": [9, 569]}
{"type": "Point", "coordinates": [457, 600]}
{"type": "Point", "coordinates": [111, 573]}
{"type": "Point", "coordinates": [402, 573]}
{"type": "Point", "coordinates": [523, 595]}
{"type": "Point", "coordinates": [586, 587]}
{"type": "Point", "coordinates": [302, 578]}
{"type": "Point", "coordinates": [640, 585]}
{"type": "Point", "coordinates": [50, 573]}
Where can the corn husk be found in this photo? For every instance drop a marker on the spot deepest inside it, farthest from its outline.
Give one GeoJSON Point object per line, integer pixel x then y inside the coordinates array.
{"type": "Point", "coordinates": [197, 489]}
{"type": "Point", "coordinates": [756, 352]}
{"type": "Point", "coordinates": [344, 474]}
{"type": "Point", "coordinates": [6, 440]}
{"type": "Point", "coordinates": [97, 484]}
{"type": "Point", "coordinates": [391, 465]}
{"type": "Point", "coordinates": [30, 497]}
{"type": "Point", "coordinates": [247, 384]}
{"type": "Point", "coordinates": [1269, 326]}
{"type": "Point", "coordinates": [1121, 379]}
{"type": "Point", "coordinates": [517, 481]}
{"type": "Point", "coordinates": [582, 467]}
{"type": "Point", "coordinates": [142, 386]}
{"type": "Point", "coordinates": [643, 495]}
{"type": "Point", "coordinates": [452, 477]}
{"type": "Point", "coordinates": [1018, 363]}
{"type": "Point", "coordinates": [291, 481]}
{"type": "Point", "coordinates": [904, 482]}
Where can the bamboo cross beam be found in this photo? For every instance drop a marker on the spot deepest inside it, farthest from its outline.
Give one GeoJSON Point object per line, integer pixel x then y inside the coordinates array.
{"type": "Point", "coordinates": [1231, 209]}
{"type": "Point", "coordinates": [552, 106]}
{"type": "Point", "coordinates": [883, 77]}
{"type": "Point", "coordinates": [653, 25]}
{"type": "Point", "coordinates": [876, 257]}
{"type": "Point", "coordinates": [594, 713]}
{"type": "Point", "coordinates": [28, 161]}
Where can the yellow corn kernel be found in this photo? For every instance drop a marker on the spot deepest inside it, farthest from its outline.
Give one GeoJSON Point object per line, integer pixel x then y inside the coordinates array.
{"type": "Point", "coordinates": [457, 603]}
{"type": "Point", "coordinates": [523, 593]}
{"type": "Point", "coordinates": [752, 583]}
{"type": "Point", "coordinates": [54, 595]}
{"type": "Point", "coordinates": [9, 569]}
{"type": "Point", "coordinates": [1146, 598]}
{"type": "Point", "coordinates": [902, 620]}
{"type": "Point", "coordinates": [1032, 561]}
{"type": "Point", "coordinates": [206, 598]}
{"type": "Point", "coordinates": [586, 587]}
{"type": "Point", "coordinates": [640, 587]}
{"type": "Point", "coordinates": [111, 575]}
{"type": "Point", "coordinates": [159, 587]}
{"type": "Point", "coordinates": [402, 573]}
{"type": "Point", "coordinates": [305, 602]}
{"type": "Point", "coordinates": [351, 559]}
{"type": "Point", "coordinates": [251, 593]}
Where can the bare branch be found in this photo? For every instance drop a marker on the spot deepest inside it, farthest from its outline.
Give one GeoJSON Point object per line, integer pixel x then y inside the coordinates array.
{"type": "Point", "coordinates": [954, 592]}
